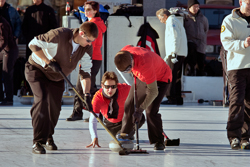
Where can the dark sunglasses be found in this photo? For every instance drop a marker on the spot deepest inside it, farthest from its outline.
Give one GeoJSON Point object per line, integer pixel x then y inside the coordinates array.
{"type": "Point", "coordinates": [110, 86]}
{"type": "Point", "coordinates": [128, 69]}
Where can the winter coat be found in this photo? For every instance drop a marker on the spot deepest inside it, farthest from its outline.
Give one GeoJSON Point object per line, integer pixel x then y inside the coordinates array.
{"type": "Point", "coordinates": [14, 19]}
{"type": "Point", "coordinates": [148, 38]}
{"type": "Point", "coordinates": [57, 44]}
{"type": "Point", "coordinates": [175, 38]}
{"type": "Point", "coordinates": [97, 44]}
{"type": "Point", "coordinates": [234, 31]}
{"type": "Point", "coordinates": [196, 29]}
{"type": "Point", "coordinates": [6, 37]}
{"type": "Point", "coordinates": [38, 19]}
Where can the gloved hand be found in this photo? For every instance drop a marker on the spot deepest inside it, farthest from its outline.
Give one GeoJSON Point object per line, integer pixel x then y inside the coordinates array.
{"type": "Point", "coordinates": [54, 65]}
{"type": "Point", "coordinates": [174, 58]}
{"type": "Point", "coordinates": [88, 101]}
{"type": "Point", "coordinates": [137, 115]}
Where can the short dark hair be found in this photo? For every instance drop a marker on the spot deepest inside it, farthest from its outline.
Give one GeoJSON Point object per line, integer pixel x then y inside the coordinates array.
{"type": "Point", "coordinates": [162, 11]}
{"type": "Point", "coordinates": [89, 28]}
{"type": "Point", "coordinates": [109, 75]}
{"type": "Point", "coordinates": [123, 60]}
{"type": "Point", "coordinates": [95, 6]}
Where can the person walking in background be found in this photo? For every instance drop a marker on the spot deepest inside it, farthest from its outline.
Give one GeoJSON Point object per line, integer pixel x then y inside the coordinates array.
{"type": "Point", "coordinates": [38, 19]}
{"type": "Point", "coordinates": [92, 13]}
{"type": "Point", "coordinates": [176, 51]}
{"type": "Point", "coordinates": [235, 39]}
{"type": "Point", "coordinates": [196, 26]}
{"type": "Point", "coordinates": [57, 50]}
{"type": "Point", "coordinates": [109, 101]}
{"type": "Point", "coordinates": [8, 54]}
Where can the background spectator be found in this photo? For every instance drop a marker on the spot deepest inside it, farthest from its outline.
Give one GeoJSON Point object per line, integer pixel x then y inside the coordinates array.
{"type": "Point", "coordinates": [196, 26]}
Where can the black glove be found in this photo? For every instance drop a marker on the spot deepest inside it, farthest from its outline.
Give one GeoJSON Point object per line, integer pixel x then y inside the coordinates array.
{"type": "Point", "coordinates": [88, 101]}
{"type": "Point", "coordinates": [54, 65]}
{"type": "Point", "coordinates": [137, 115]}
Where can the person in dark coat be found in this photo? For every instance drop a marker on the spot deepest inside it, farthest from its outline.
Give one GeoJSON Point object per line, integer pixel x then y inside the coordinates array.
{"type": "Point", "coordinates": [196, 26]}
{"type": "Point", "coordinates": [12, 17]}
{"type": "Point", "coordinates": [8, 52]}
{"type": "Point", "coordinates": [38, 19]}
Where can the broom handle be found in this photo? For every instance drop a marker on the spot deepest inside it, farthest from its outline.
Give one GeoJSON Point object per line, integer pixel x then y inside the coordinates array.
{"type": "Point", "coordinates": [136, 123]}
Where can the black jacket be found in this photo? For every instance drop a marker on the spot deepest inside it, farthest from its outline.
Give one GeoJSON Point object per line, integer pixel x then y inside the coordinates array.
{"type": "Point", "coordinates": [38, 19]}
{"type": "Point", "coordinates": [6, 36]}
{"type": "Point", "coordinates": [148, 36]}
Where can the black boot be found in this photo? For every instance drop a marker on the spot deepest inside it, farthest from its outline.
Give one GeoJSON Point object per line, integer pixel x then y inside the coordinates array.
{"type": "Point", "coordinates": [159, 146]}
{"type": "Point", "coordinates": [235, 144]}
{"type": "Point", "coordinates": [75, 116]}
{"type": "Point", "coordinates": [50, 145]}
{"type": "Point", "coordinates": [38, 148]}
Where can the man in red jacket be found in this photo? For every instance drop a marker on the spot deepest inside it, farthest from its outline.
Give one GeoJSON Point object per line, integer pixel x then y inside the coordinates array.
{"type": "Point", "coordinates": [153, 78]}
{"type": "Point", "coordinates": [109, 101]}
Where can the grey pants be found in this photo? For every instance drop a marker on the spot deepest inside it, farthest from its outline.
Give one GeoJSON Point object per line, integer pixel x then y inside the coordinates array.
{"type": "Point", "coordinates": [154, 121]}
{"type": "Point", "coordinates": [46, 108]}
{"type": "Point", "coordinates": [239, 108]}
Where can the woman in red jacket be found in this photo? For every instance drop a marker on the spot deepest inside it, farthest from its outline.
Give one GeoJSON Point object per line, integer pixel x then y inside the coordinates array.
{"type": "Point", "coordinates": [91, 9]}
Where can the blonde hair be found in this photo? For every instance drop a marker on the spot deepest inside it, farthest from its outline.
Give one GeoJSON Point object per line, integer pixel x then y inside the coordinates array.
{"type": "Point", "coordinates": [162, 11]}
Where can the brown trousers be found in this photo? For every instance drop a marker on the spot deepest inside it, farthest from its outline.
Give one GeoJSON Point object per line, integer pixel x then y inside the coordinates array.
{"type": "Point", "coordinates": [239, 108]}
{"type": "Point", "coordinates": [46, 108]}
{"type": "Point", "coordinates": [154, 121]}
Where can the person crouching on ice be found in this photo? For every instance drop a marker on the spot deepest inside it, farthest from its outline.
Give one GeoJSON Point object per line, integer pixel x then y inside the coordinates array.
{"type": "Point", "coordinates": [110, 101]}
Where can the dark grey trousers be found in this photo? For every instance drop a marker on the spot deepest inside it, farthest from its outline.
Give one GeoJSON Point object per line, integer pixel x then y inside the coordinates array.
{"type": "Point", "coordinates": [46, 108]}
{"type": "Point", "coordinates": [6, 73]}
{"type": "Point", "coordinates": [78, 106]}
{"type": "Point", "coordinates": [154, 121]}
{"type": "Point", "coordinates": [174, 90]}
{"type": "Point", "coordinates": [239, 108]}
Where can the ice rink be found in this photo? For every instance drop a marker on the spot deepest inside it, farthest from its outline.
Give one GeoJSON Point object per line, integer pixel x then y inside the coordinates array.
{"type": "Point", "coordinates": [200, 127]}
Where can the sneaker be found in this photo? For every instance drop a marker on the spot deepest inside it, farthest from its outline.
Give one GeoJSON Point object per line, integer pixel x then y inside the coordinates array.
{"type": "Point", "coordinates": [74, 117]}
{"type": "Point", "coordinates": [6, 103]}
{"type": "Point", "coordinates": [245, 145]}
{"type": "Point", "coordinates": [159, 146]}
{"type": "Point", "coordinates": [235, 144]}
{"type": "Point", "coordinates": [50, 145]}
{"type": "Point", "coordinates": [38, 149]}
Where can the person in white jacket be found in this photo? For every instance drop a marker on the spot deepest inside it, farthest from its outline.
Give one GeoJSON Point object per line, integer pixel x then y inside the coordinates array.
{"type": "Point", "coordinates": [235, 39]}
{"type": "Point", "coordinates": [176, 51]}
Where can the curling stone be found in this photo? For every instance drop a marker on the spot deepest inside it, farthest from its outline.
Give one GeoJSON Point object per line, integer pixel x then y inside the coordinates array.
{"type": "Point", "coordinates": [128, 144]}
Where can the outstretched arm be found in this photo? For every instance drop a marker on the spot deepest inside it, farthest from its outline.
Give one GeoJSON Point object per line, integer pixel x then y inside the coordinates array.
{"type": "Point", "coordinates": [93, 131]}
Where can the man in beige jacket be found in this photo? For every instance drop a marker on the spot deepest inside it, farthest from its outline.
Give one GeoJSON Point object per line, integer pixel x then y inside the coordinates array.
{"type": "Point", "coordinates": [235, 39]}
